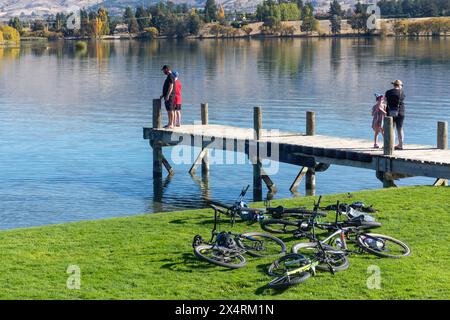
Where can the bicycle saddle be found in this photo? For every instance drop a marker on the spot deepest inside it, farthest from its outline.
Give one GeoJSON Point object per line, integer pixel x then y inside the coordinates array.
{"type": "Point", "coordinates": [361, 223]}
{"type": "Point", "coordinates": [276, 210]}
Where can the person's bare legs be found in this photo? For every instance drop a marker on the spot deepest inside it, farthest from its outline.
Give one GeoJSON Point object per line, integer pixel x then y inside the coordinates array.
{"type": "Point", "coordinates": [172, 119]}
{"type": "Point", "coordinates": [168, 119]}
{"type": "Point", "coordinates": [401, 136]}
{"type": "Point", "coordinates": [178, 118]}
{"type": "Point", "coordinates": [375, 138]}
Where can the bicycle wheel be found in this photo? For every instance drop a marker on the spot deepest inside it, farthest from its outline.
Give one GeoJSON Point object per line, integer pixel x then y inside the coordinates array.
{"type": "Point", "coordinates": [217, 256]}
{"type": "Point", "coordinates": [337, 259]}
{"type": "Point", "coordinates": [383, 246]}
{"type": "Point", "coordinates": [280, 226]}
{"type": "Point", "coordinates": [261, 245]}
{"type": "Point", "coordinates": [280, 267]}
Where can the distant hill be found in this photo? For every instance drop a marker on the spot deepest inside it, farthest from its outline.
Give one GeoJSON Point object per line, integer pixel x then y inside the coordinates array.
{"type": "Point", "coordinates": [13, 8]}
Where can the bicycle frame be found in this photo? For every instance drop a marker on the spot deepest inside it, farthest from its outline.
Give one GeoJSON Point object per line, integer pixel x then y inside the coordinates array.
{"type": "Point", "coordinates": [309, 266]}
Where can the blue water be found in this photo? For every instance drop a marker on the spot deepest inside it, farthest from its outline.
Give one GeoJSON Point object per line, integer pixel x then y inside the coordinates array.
{"type": "Point", "coordinates": [71, 144]}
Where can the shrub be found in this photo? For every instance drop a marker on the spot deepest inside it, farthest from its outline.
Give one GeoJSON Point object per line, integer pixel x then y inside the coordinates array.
{"type": "Point", "coordinates": [81, 45]}
{"type": "Point", "coordinates": [415, 28]}
{"type": "Point", "coordinates": [247, 30]}
{"type": "Point", "coordinates": [151, 33]}
{"type": "Point", "coordinates": [215, 29]}
{"type": "Point", "coordinates": [1, 36]}
{"type": "Point", "coordinates": [10, 34]}
{"type": "Point", "coordinates": [400, 27]}
{"type": "Point", "coordinates": [287, 30]}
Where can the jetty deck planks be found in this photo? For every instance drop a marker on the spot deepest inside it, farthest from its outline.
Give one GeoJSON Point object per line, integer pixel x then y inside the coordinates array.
{"type": "Point", "coordinates": [417, 160]}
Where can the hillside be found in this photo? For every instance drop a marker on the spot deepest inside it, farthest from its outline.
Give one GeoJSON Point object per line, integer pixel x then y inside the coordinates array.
{"type": "Point", "coordinates": [12, 8]}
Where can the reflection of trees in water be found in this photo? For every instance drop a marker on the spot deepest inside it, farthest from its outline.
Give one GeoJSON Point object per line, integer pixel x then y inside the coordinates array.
{"type": "Point", "coordinates": [415, 51]}
{"type": "Point", "coordinates": [213, 51]}
{"type": "Point", "coordinates": [335, 57]}
{"type": "Point", "coordinates": [9, 53]}
{"type": "Point", "coordinates": [362, 49]}
{"type": "Point", "coordinates": [286, 56]}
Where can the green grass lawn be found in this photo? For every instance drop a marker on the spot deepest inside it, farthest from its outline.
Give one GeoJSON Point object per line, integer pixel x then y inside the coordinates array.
{"type": "Point", "coordinates": [150, 256]}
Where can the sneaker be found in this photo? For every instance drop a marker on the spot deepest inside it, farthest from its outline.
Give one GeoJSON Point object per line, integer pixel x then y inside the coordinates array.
{"type": "Point", "coordinates": [376, 146]}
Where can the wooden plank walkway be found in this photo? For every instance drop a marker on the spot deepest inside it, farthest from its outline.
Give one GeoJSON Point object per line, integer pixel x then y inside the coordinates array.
{"type": "Point", "coordinates": [315, 153]}
{"type": "Point", "coordinates": [326, 149]}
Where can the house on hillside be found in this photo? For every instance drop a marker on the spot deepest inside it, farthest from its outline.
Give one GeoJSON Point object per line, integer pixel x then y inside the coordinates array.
{"type": "Point", "coordinates": [121, 28]}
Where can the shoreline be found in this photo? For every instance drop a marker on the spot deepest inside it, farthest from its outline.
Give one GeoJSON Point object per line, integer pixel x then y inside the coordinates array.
{"type": "Point", "coordinates": [150, 256]}
{"type": "Point", "coordinates": [253, 37]}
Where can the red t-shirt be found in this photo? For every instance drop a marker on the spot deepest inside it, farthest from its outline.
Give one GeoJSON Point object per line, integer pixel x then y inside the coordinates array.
{"type": "Point", "coordinates": [177, 92]}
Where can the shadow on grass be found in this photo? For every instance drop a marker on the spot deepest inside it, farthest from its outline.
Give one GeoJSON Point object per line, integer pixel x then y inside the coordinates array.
{"type": "Point", "coordinates": [191, 263]}
{"type": "Point", "coordinates": [266, 290]}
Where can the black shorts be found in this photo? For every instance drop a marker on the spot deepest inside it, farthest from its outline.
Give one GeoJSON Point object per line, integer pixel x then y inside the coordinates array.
{"type": "Point", "coordinates": [178, 107]}
{"type": "Point", "coordinates": [170, 106]}
{"type": "Point", "coordinates": [398, 121]}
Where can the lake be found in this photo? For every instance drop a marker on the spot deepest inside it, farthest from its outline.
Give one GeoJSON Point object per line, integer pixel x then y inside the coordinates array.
{"type": "Point", "coordinates": [71, 144]}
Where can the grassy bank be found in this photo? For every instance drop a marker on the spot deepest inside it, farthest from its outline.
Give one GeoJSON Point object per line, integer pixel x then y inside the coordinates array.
{"type": "Point", "coordinates": [150, 257]}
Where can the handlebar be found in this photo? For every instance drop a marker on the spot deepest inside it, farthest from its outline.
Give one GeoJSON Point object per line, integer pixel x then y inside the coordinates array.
{"type": "Point", "coordinates": [243, 192]}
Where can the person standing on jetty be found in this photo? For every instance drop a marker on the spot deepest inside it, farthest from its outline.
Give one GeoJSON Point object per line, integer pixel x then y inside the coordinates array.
{"type": "Point", "coordinates": [396, 109]}
{"type": "Point", "coordinates": [169, 95]}
{"type": "Point", "coordinates": [177, 102]}
{"type": "Point", "coordinates": [378, 114]}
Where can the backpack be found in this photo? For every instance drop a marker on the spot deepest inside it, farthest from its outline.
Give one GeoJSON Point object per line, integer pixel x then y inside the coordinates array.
{"type": "Point", "coordinates": [395, 112]}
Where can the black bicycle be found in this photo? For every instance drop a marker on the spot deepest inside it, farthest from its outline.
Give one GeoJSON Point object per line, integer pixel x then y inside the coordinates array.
{"type": "Point", "coordinates": [292, 223]}
{"type": "Point", "coordinates": [296, 268]}
{"type": "Point", "coordinates": [353, 230]}
{"type": "Point", "coordinates": [227, 249]}
{"type": "Point", "coordinates": [240, 209]}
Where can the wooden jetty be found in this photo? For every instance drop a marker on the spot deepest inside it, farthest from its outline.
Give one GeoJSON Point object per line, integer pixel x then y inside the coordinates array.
{"type": "Point", "coordinates": [313, 153]}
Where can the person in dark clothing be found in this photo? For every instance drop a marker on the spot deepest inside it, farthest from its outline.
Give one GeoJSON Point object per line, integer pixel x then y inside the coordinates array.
{"type": "Point", "coordinates": [396, 109]}
{"type": "Point", "coordinates": [169, 95]}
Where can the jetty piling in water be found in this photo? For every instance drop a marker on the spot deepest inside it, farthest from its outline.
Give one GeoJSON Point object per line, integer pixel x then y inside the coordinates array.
{"type": "Point", "coordinates": [313, 153]}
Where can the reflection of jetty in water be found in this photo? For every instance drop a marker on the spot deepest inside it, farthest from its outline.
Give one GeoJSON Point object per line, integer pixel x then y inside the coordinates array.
{"type": "Point", "coordinates": [314, 153]}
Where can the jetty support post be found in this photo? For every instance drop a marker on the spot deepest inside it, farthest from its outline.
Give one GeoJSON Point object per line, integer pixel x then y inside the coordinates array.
{"type": "Point", "coordinates": [310, 123]}
{"type": "Point", "coordinates": [205, 120]}
{"type": "Point", "coordinates": [388, 149]}
{"type": "Point", "coordinates": [158, 156]}
{"type": "Point", "coordinates": [389, 137]}
{"type": "Point", "coordinates": [157, 153]}
{"type": "Point", "coordinates": [310, 182]}
{"type": "Point", "coordinates": [202, 157]}
{"type": "Point", "coordinates": [442, 143]}
{"type": "Point", "coordinates": [298, 179]}
{"type": "Point", "coordinates": [257, 166]}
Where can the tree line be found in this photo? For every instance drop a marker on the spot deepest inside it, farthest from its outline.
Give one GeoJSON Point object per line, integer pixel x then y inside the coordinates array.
{"type": "Point", "coordinates": [180, 20]}
{"type": "Point", "coordinates": [272, 13]}
{"type": "Point", "coordinates": [414, 8]}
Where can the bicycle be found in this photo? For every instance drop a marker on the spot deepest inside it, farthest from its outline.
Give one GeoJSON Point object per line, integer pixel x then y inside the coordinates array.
{"type": "Point", "coordinates": [296, 268]}
{"type": "Point", "coordinates": [287, 226]}
{"type": "Point", "coordinates": [353, 230]}
{"type": "Point", "coordinates": [240, 209]}
{"type": "Point", "coordinates": [226, 249]}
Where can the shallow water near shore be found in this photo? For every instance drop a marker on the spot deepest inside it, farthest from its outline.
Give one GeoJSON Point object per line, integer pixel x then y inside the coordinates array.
{"type": "Point", "coordinates": [71, 144]}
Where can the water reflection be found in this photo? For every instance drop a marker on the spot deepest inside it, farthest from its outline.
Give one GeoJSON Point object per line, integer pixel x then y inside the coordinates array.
{"type": "Point", "coordinates": [70, 139]}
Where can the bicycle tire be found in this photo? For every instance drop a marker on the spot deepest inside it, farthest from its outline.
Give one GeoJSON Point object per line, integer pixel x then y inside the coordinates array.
{"type": "Point", "coordinates": [198, 251]}
{"type": "Point", "coordinates": [341, 260]}
{"type": "Point", "coordinates": [283, 281]}
{"type": "Point", "coordinates": [360, 238]}
{"type": "Point", "coordinates": [259, 252]}
{"type": "Point", "coordinates": [267, 225]}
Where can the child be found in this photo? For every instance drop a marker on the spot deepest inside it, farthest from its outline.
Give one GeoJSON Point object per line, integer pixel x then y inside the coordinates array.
{"type": "Point", "coordinates": [378, 114]}
{"type": "Point", "coordinates": [177, 100]}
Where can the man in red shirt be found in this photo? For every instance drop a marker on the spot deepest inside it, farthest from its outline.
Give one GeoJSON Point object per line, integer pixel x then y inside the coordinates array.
{"type": "Point", "coordinates": [177, 101]}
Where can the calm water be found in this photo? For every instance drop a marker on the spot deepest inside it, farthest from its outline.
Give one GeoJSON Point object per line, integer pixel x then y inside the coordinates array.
{"type": "Point", "coordinates": [71, 144]}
